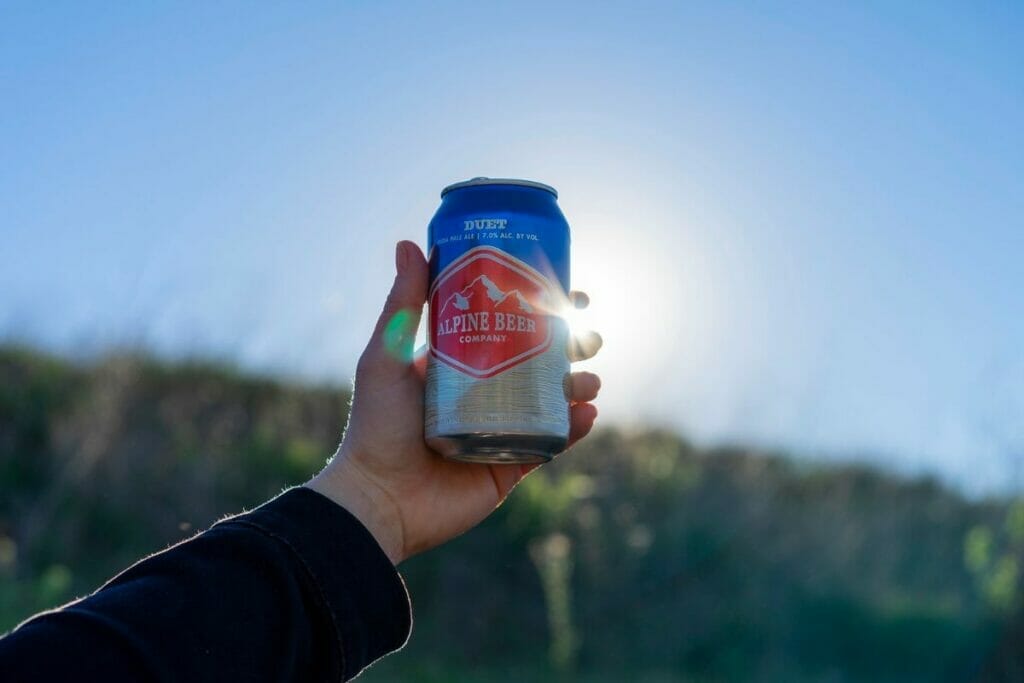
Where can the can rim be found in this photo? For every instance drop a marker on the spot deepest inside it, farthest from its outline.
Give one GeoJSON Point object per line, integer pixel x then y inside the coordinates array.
{"type": "Point", "coordinates": [481, 180]}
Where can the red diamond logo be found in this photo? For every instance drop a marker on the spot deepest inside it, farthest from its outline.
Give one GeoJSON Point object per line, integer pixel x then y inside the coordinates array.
{"type": "Point", "coordinates": [489, 312]}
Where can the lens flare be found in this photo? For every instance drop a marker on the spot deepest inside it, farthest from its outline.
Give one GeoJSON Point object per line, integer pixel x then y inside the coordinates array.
{"type": "Point", "coordinates": [400, 334]}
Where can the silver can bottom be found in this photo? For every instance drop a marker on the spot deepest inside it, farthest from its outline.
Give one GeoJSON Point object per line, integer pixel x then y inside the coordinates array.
{"type": "Point", "coordinates": [498, 449]}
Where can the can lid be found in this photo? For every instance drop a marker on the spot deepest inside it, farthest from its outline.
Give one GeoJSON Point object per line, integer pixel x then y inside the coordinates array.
{"type": "Point", "coordinates": [474, 182]}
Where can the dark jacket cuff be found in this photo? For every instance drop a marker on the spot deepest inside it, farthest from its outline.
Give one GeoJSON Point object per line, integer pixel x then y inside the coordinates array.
{"type": "Point", "coordinates": [359, 587]}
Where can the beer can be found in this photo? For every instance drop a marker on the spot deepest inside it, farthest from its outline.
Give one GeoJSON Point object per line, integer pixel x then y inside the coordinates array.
{"type": "Point", "coordinates": [497, 368]}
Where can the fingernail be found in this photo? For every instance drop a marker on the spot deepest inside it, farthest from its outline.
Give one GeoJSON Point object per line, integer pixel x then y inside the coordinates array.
{"type": "Point", "coordinates": [401, 257]}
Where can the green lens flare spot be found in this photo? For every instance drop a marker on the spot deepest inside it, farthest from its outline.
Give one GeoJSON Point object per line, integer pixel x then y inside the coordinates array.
{"type": "Point", "coordinates": [399, 335]}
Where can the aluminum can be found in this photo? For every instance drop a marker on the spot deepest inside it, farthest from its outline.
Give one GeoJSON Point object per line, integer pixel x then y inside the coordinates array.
{"type": "Point", "coordinates": [497, 367]}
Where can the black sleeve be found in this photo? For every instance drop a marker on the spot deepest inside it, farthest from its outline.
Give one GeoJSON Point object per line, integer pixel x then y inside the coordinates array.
{"type": "Point", "coordinates": [296, 590]}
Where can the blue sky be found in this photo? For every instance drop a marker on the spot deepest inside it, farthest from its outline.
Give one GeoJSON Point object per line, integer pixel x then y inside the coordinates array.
{"type": "Point", "coordinates": [801, 222]}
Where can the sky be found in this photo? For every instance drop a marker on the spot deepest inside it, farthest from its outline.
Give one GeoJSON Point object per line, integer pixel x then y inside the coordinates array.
{"type": "Point", "coordinates": [800, 223]}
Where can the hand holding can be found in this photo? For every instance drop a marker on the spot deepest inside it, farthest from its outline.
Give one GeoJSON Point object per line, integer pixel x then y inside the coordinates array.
{"type": "Point", "coordinates": [384, 473]}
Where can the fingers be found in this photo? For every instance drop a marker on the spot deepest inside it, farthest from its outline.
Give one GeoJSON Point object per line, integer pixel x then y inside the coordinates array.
{"type": "Point", "coordinates": [583, 386]}
{"type": "Point", "coordinates": [584, 345]}
{"type": "Point", "coordinates": [581, 345]}
{"type": "Point", "coordinates": [419, 362]}
{"type": "Point", "coordinates": [581, 421]}
{"type": "Point", "coordinates": [506, 477]}
{"type": "Point", "coordinates": [396, 327]}
{"type": "Point", "coordinates": [578, 299]}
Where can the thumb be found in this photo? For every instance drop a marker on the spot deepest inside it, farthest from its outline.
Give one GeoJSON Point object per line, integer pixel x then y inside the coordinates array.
{"type": "Point", "coordinates": [395, 332]}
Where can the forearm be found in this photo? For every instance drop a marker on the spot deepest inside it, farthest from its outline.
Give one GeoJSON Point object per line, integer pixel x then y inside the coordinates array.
{"type": "Point", "coordinates": [366, 500]}
{"type": "Point", "coordinates": [295, 590]}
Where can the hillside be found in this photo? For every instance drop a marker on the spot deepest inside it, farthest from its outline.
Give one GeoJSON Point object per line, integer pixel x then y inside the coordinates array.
{"type": "Point", "coordinates": [637, 556]}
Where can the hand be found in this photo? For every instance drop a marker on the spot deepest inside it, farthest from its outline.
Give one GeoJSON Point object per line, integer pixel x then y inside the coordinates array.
{"type": "Point", "coordinates": [408, 496]}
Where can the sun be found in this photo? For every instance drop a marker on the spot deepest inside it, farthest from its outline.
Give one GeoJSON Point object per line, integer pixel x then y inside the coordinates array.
{"type": "Point", "coordinates": [650, 306]}
{"type": "Point", "coordinates": [650, 301]}
{"type": "Point", "coordinates": [623, 285]}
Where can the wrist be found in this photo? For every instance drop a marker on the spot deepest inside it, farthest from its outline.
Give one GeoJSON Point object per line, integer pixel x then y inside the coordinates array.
{"type": "Point", "coordinates": [348, 486]}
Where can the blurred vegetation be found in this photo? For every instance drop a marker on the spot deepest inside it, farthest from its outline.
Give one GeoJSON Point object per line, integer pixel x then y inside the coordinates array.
{"type": "Point", "coordinates": [637, 557]}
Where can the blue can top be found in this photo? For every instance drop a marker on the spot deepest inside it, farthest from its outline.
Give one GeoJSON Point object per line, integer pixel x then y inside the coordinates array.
{"type": "Point", "coordinates": [519, 217]}
{"type": "Point", "coordinates": [480, 181]}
